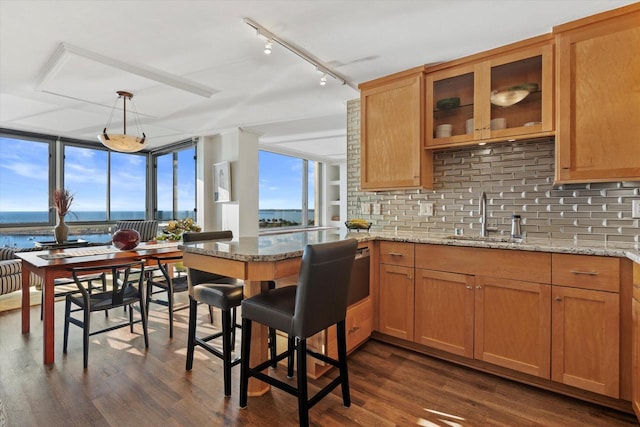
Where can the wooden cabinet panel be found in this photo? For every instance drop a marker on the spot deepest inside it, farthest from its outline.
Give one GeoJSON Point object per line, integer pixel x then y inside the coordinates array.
{"type": "Point", "coordinates": [586, 339]}
{"type": "Point", "coordinates": [444, 311]}
{"type": "Point", "coordinates": [585, 271]}
{"type": "Point", "coordinates": [358, 325]}
{"type": "Point", "coordinates": [397, 253]}
{"type": "Point", "coordinates": [396, 298]}
{"type": "Point", "coordinates": [635, 355]}
{"type": "Point", "coordinates": [598, 74]}
{"type": "Point", "coordinates": [509, 264]}
{"type": "Point", "coordinates": [392, 132]}
{"type": "Point", "coordinates": [513, 324]}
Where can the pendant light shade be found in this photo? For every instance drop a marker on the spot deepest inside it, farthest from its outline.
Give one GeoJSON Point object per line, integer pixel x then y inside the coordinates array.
{"type": "Point", "coordinates": [123, 142]}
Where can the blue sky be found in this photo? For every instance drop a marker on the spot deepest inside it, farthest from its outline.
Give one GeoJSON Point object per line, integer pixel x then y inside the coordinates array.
{"type": "Point", "coordinates": [280, 183]}
{"type": "Point", "coordinates": [24, 175]}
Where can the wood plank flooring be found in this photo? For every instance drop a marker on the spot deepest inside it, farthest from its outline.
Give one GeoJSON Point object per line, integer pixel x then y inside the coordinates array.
{"type": "Point", "coordinates": [128, 386]}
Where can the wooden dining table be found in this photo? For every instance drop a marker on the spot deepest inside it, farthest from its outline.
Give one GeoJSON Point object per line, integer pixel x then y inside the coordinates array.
{"type": "Point", "coordinates": [57, 263]}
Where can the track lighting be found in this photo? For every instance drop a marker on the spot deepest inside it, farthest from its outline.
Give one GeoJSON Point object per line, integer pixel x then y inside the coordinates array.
{"type": "Point", "coordinates": [272, 38]}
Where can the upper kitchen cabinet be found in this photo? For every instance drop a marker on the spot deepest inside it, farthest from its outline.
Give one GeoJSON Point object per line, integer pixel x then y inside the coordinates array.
{"type": "Point", "coordinates": [598, 97]}
{"type": "Point", "coordinates": [503, 94]}
{"type": "Point", "coordinates": [392, 132]}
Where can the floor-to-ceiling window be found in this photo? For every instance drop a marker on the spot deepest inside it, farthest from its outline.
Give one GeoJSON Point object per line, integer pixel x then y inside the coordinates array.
{"type": "Point", "coordinates": [107, 186]}
{"type": "Point", "coordinates": [287, 189]}
{"type": "Point", "coordinates": [24, 181]}
{"type": "Point", "coordinates": [175, 183]}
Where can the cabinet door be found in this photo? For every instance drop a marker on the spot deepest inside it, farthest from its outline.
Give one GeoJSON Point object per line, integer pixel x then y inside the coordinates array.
{"type": "Point", "coordinates": [451, 84]}
{"type": "Point", "coordinates": [513, 324]}
{"type": "Point", "coordinates": [598, 76]}
{"type": "Point", "coordinates": [527, 70]}
{"type": "Point", "coordinates": [444, 311]}
{"type": "Point", "coordinates": [586, 339]}
{"type": "Point", "coordinates": [518, 72]}
{"type": "Point", "coordinates": [392, 154]}
{"type": "Point", "coordinates": [396, 301]}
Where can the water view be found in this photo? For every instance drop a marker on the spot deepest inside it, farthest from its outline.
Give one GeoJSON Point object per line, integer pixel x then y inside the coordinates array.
{"type": "Point", "coordinates": [268, 218]}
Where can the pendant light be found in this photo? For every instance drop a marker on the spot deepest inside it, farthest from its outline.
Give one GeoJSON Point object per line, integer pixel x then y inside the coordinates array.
{"type": "Point", "coordinates": [123, 142]}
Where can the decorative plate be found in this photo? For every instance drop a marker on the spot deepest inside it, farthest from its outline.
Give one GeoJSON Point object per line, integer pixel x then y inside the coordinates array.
{"type": "Point", "coordinates": [448, 103]}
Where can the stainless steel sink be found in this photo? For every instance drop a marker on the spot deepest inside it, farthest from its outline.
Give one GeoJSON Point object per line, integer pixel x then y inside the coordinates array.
{"type": "Point", "coordinates": [497, 239]}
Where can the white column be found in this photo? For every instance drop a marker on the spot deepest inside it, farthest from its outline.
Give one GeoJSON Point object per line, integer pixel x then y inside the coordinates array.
{"type": "Point", "coordinates": [240, 215]}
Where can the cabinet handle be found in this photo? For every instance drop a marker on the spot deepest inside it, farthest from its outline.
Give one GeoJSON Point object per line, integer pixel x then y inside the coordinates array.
{"type": "Point", "coordinates": [354, 329]}
{"type": "Point", "coordinates": [478, 287]}
{"type": "Point", "coordinates": [589, 273]}
{"type": "Point", "coordinates": [636, 286]}
{"type": "Point", "coordinates": [469, 287]}
{"type": "Point", "coordinates": [558, 299]}
{"type": "Point", "coordinates": [409, 276]}
{"type": "Point", "coordinates": [395, 254]}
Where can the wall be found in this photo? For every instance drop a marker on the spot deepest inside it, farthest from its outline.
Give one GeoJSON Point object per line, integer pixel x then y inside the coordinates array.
{"type": "Point", "coordinates": [517, 178]}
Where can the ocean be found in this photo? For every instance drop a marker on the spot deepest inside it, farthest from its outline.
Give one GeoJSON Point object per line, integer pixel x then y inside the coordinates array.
{"type": "Point", "coordinates": [96, 233]}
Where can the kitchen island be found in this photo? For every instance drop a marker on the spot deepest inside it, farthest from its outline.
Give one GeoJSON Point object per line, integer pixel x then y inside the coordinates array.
{"type": "Point", "coordinates": [256, 260]}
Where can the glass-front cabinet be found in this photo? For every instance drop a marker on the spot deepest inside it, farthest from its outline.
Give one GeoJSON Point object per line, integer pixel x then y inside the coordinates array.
{"type": "Point", "coordinates": [507, 95]}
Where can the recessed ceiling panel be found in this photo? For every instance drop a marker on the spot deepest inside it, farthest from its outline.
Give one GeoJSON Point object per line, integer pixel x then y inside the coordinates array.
{"type": "Point", "coordinates": [85, 76]}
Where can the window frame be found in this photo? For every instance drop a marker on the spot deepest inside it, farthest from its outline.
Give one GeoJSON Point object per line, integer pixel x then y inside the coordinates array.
{"type": "Point", "coordinates": [172, 149]}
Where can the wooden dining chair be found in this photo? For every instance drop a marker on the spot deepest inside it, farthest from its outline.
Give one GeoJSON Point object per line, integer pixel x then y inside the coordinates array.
{"type": "Point", "coordinates": [123, 292]}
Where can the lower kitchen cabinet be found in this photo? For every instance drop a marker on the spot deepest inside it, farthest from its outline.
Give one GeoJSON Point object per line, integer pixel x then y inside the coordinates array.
{"type": "Point", "coordinates": [396, 297]}
{"type": "Point", "coordinates": [444, 311]}
{"type": "Point", "coordinates": [500, 321]}
{"type": "Point", "coordinates": [586, 339]}
{"type": "Point", "coordinates": [513, 324]}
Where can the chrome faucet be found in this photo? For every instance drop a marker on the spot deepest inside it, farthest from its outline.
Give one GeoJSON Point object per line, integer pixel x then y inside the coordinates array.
{"type": "Point", "coordinates": [484, 228]}
{"type": "Point", "coordinates": [482, 210]}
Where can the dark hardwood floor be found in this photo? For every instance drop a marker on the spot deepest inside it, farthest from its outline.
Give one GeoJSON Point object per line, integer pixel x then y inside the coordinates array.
{"type": "Point", "coordinates": [128, 386]}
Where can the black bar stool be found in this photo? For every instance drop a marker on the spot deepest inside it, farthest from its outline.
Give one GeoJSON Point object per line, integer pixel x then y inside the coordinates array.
{"type": "Point", "coordinates": [225, 294]}
{"type": "Point", "coordinates": [316, 303]}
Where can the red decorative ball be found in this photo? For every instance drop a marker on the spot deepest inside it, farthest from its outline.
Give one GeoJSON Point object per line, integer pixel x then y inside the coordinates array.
{"type": "Point", "coordinates": [126, 239]}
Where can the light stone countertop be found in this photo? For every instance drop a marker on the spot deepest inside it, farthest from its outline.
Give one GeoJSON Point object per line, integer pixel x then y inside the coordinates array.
{"type": "Point", "coordinates": [275, 247]}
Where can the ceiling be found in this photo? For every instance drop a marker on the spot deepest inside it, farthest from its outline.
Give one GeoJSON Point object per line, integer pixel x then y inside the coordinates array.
{"type": "Point", "coordinates": [196, 68]}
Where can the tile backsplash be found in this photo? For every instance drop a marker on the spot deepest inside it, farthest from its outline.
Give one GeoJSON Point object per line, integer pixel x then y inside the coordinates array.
{"type": "Point", "coordinates": [517, 178]}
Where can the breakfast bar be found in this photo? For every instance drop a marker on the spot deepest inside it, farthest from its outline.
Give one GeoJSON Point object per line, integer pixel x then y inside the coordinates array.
{"type": "Point", "coordinates": [255, 260]}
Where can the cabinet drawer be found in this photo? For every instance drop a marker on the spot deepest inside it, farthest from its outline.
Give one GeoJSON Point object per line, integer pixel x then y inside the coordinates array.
{"type": "Point", "coordinates": [397, 253]}
{"type": "Point", "coordinates": [586, 272]}
{"type": "Point", "coordinates": [359, 323]}
{"type": "Point", "coordinates": [503, 263]}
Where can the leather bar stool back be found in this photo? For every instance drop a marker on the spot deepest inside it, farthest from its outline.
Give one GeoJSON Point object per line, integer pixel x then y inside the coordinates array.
{"type": "Point", "coordinates": [316, 303]}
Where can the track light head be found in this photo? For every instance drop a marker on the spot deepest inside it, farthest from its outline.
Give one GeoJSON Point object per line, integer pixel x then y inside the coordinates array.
{"type": "Point", "coordinates": [267, 47]}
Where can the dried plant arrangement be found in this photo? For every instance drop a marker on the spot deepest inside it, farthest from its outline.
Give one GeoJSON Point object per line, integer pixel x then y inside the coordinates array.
{"type": "Point", "coordinates": [62, 201]}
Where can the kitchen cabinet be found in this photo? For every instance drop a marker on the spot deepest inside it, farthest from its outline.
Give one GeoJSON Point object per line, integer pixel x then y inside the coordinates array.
{"type": "Point", "coordinates": [513, 324]}
{"type": "Point", "coordinates": [444, 315]}
{"type": "Point", "coordinates": [497, 320]}
{"type": "Point", "coordinates": [482, 81]}
{"type": "Point", "coordinates": [396, 290]}
{"type": "Point", "coordinates": [635, 342]}
{"type": "Point", "coordinates": [598, 105]}
{"type": "Point", "coordinates": [586, 323]}
{"type": "Point", "coordinates": [392, 133]}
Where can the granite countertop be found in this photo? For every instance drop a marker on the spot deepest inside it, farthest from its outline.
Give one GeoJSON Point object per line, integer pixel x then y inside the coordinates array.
{"type": "Point", "coordinates": [274, 247]}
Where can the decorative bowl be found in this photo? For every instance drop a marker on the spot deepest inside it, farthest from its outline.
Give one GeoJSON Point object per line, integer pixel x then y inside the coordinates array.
{"type": "Point", "coordinates": [448, 103]}
{"type": "Point", "coordinates": [358, 225]}
{"type": "Point", "coordinates": [126, 239]}
{"type": "Point", "coordinates": [507, 98]}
